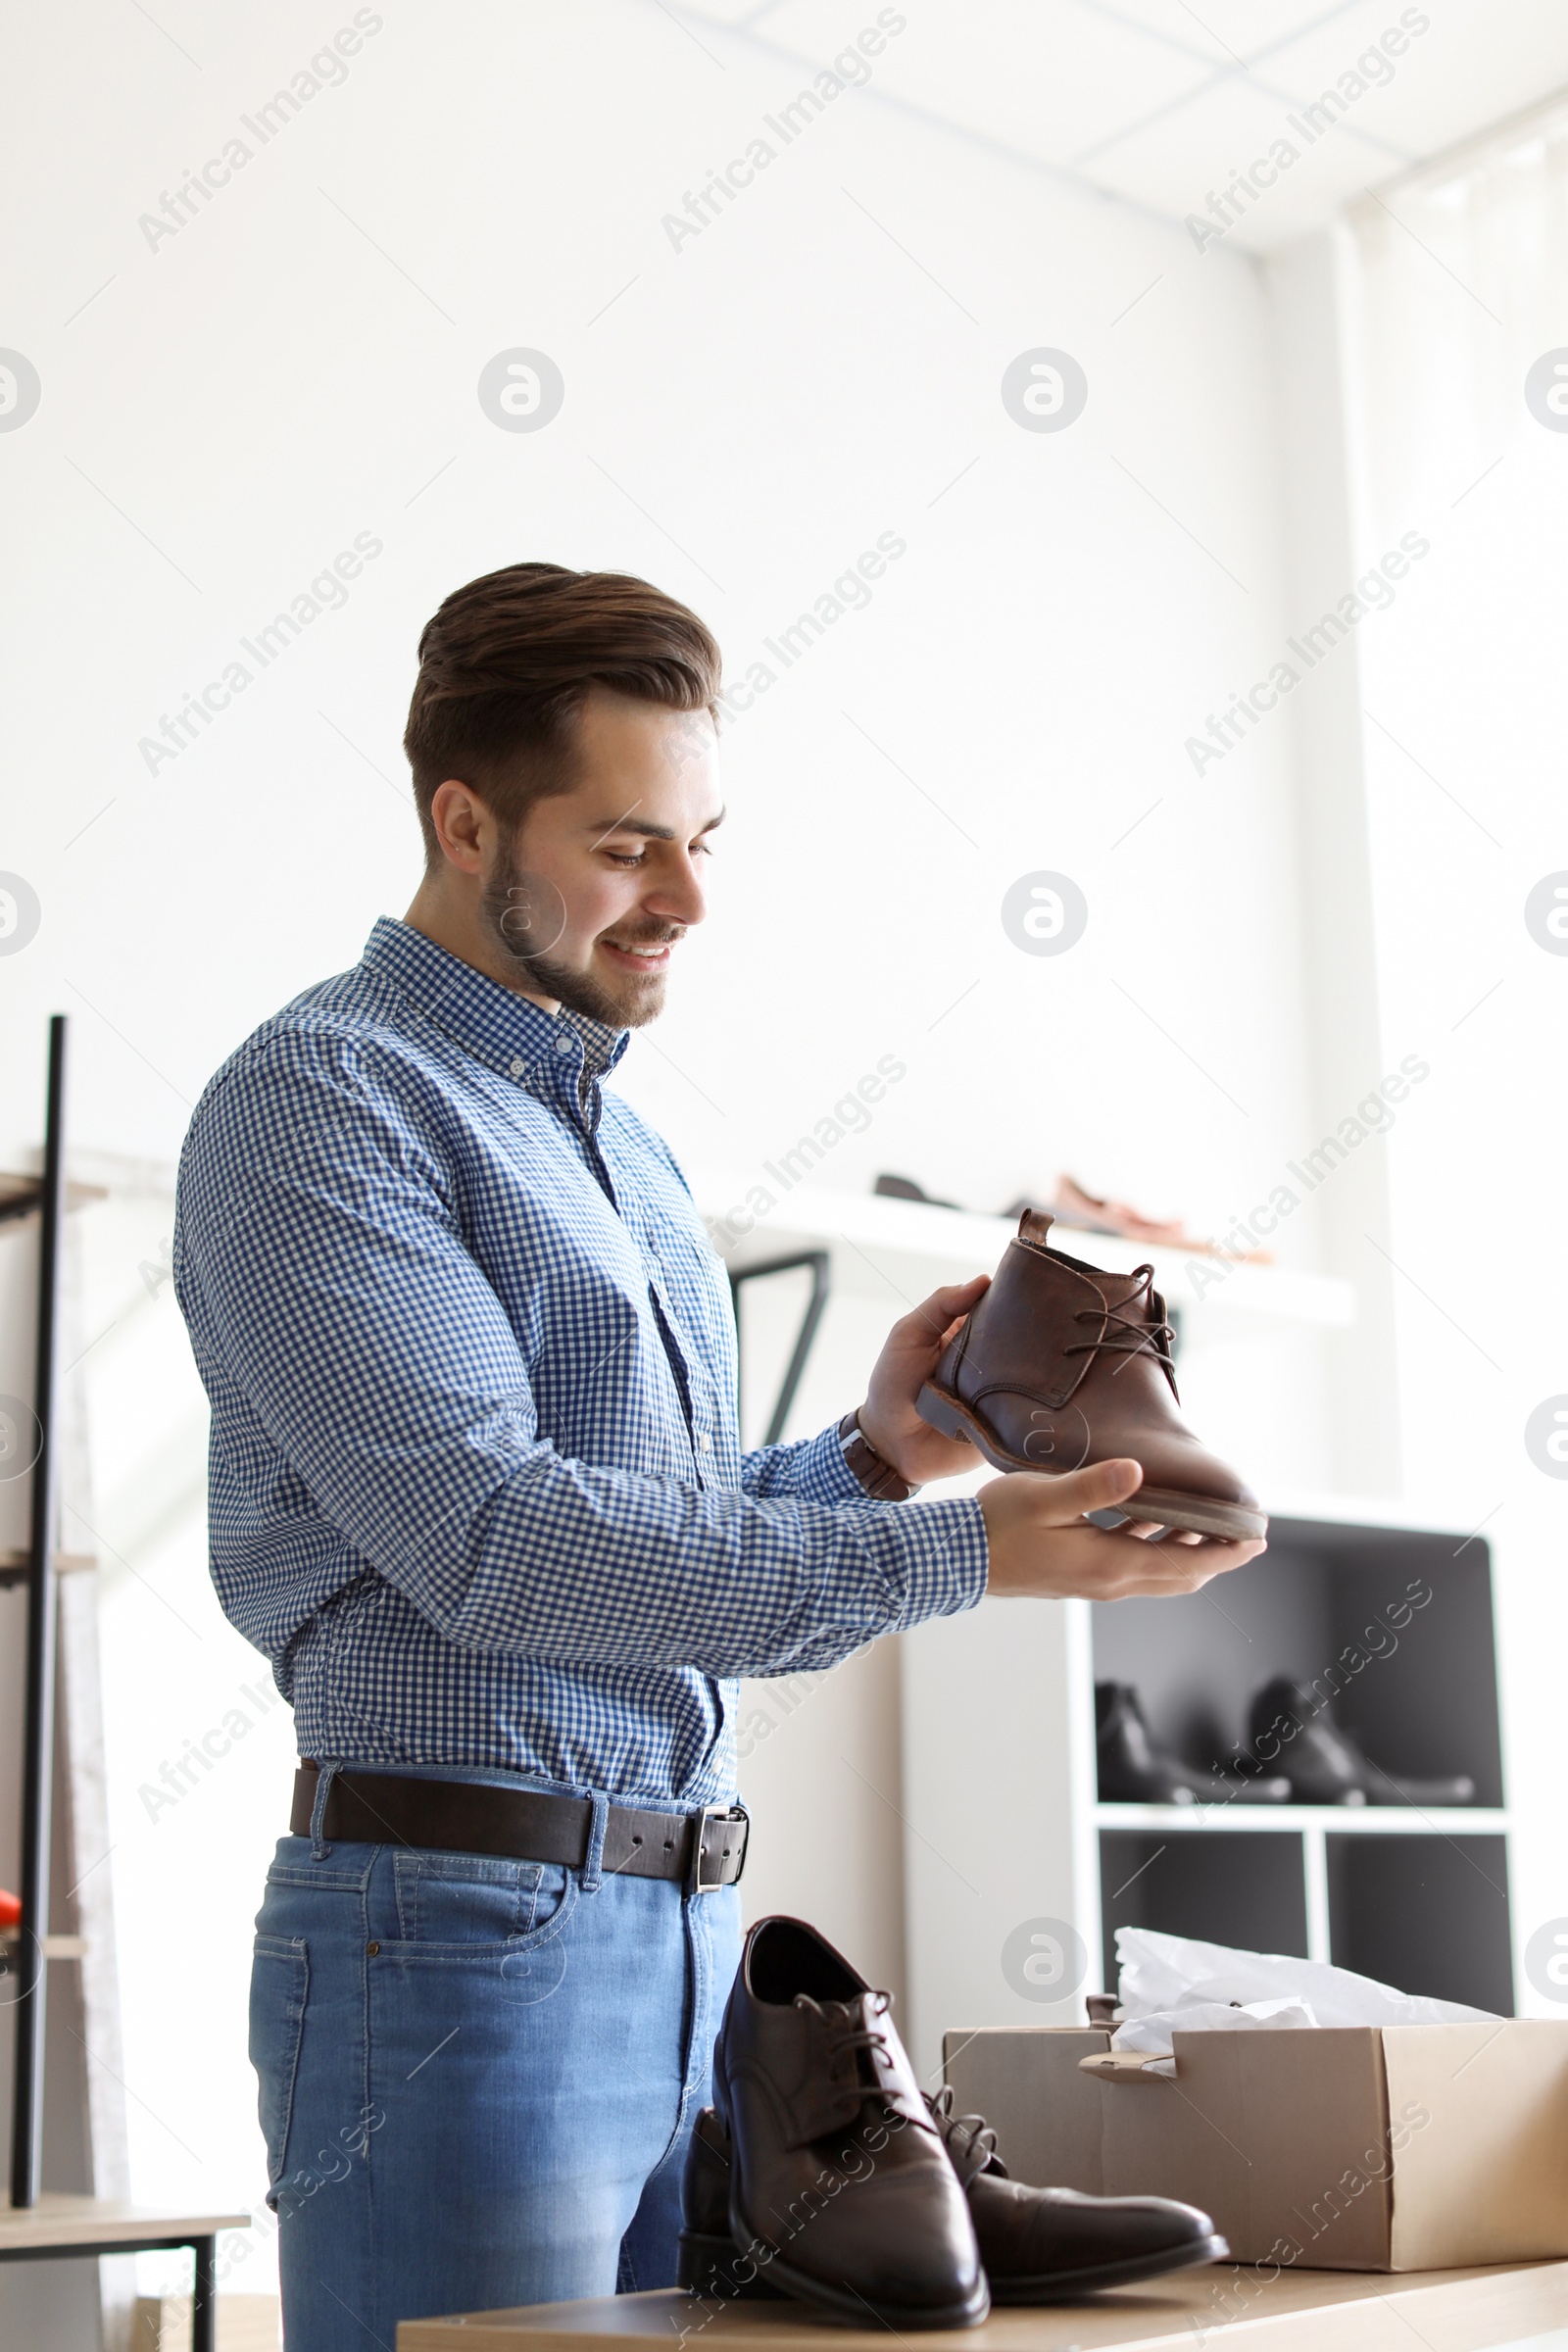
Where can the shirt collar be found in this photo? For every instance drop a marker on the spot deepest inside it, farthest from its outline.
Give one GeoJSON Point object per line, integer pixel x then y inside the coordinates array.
{"type": "Point", "coordinates": [494, 1024]}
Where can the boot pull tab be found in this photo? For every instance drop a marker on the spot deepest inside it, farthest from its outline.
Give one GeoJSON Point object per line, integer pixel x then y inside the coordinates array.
{"type": "Point", "coordinates": [1034, 1227]}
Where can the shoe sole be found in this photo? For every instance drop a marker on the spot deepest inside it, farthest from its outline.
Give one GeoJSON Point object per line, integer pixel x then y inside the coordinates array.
{"type": "Point", "coordinates": [1202, 1514]}
{"type": "Point", "coordinates": [1067, 2287]}
{"type": "Point", "coordinates": [840, 2302]}
{"type": "Point", "coordinates": [707, 2266]}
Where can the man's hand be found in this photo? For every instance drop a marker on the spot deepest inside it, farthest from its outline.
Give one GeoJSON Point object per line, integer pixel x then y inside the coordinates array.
{"type": "Point", "coordinates": [891, 1426]}
{"type": "Point", "coordinates": [1042, 1548]}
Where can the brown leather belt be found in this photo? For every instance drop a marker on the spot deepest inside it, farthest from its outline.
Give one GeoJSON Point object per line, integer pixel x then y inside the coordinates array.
{"type": "Point", "coordinates": [704, 1850]}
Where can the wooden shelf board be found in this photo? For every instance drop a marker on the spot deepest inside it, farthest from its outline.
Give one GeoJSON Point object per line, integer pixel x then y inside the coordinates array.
{"type": "Point", "coordinates": [1366, 1821]}
{"type": "Point", "coordinates": [65, 2221]}
{"type": "Point", "coordinates": [1298, 2311]}
{"type": "Point", "coordinates": [14, 1564]}
{"type": "Point", "coordinates": [19, 1195]}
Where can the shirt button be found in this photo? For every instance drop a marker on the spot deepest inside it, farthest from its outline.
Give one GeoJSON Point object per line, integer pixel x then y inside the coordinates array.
{"type": "Point", "coordinates": [515, 1067]}
{"type": "Point", "coordinates": [563, 1045]}
{"type": "Point", "coordinates": [704, 1444]}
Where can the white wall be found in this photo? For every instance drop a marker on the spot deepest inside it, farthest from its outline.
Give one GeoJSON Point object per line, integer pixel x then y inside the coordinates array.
{"type": "Point", "coordinates": [742, 419]}
{"type": "Point", "coordinates": [265, 386]}
{"type": "Point", "coordinates": [1467, 806]}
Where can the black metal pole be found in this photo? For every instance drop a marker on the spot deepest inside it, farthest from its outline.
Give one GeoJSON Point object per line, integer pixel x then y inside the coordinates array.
{"type": "Point", "coordinates": [204, 2296]}
{"type": "Point", "coordinates": [822, 1283]}
{"type": "Point", "coordinates": [26, 2135]}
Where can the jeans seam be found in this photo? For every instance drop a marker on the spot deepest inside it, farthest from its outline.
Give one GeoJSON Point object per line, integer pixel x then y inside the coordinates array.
{"type": "Point", "coordinates": [366, 1963]}
{"type": "Point", "coordinates": [406, 1874]}
{"type": "Point", "coordinates": [296, 1950]}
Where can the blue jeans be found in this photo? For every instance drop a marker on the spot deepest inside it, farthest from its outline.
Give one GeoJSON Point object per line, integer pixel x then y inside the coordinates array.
{"type": "Point", "coordinates": [477, 2080]}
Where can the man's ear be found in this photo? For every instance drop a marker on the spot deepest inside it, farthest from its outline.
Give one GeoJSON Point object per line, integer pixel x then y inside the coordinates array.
{"type": "Point", "coordinates": [463, 824]}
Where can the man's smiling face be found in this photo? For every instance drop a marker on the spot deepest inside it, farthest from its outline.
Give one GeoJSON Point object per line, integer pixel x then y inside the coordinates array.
{"type": "Point", "coordinates": [602, 882]}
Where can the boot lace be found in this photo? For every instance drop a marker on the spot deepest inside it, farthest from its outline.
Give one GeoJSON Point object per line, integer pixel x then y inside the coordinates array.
{"type": "Point", "coordinates": [1125, 1336]}
{"type": "Point", "coordinates": [969, 2141]}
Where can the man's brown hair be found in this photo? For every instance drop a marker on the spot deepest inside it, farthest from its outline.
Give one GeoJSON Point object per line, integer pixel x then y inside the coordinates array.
{"type": "Point", "coordinates": [505, 665]}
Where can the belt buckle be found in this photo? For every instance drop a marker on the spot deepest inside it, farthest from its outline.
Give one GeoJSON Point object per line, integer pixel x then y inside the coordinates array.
{"type": "Point", "coordinates": [696, 1883]}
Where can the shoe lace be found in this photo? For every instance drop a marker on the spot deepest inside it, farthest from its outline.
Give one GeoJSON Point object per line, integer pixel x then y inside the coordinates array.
{"type": "Point", "coordinates": [1125, 1336]}
{"type": "Point", "coordinates": [969, 2141]}
{"type": "Point", "coordinates": [847, 2043]}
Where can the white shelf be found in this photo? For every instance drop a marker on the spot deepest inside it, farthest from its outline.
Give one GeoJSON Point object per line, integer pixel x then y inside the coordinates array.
{"type": "Point", "coordinates": [953, 1243]}
{"type": "Point", "coordinates": [1367, 1821]}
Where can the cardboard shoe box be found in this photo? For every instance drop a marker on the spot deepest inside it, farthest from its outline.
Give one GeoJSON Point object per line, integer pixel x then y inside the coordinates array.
{"type": "Point", "coordinates": [1367, 2148]}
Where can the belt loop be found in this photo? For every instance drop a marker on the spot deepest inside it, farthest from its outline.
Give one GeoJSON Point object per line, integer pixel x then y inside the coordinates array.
{"type": "Point", "coordinates": [593, 1866]}
{"type": "Point", "coordinates": [325, 1775]}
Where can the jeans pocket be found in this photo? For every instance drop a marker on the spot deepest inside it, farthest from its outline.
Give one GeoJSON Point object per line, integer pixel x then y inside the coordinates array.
{"type": "Point", "coordinates": [280, 1975]}
{"type": "Point", "coordinates": [478, 1906]}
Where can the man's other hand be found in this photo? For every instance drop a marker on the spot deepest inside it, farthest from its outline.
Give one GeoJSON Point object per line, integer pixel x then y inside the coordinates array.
{"type": "Point", "coordinates": [889, 1420]}
{"type": "Point", "coordinates": [1044, 1548]}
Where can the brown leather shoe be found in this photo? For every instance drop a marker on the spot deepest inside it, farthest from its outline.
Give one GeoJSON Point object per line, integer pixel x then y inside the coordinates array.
{"type": "Point", "coordinates": [840, 2189]}
{"type": "Point", "coordinates": [1038, 2245]}
{"type": "Point", "coordinates": [1063, 1364]}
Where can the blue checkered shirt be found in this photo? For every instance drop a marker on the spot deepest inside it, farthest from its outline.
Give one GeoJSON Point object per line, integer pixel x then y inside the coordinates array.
{"type": "Point", "coordinates": [476, 1487]}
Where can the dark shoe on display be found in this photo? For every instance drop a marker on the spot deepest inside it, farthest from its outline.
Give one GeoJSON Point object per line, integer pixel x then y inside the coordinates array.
{"type": "Point", "coordinates": [1063, 1365]}
{"type": "Point", "coordinates": [839, 2184]}
{"type": "Point", "coordinates": [1325, 1766]}
{"type": "Point", "coordinates": [904, 1187]}
{"type": "Point", "coordinates": [1133, 1771]}
{"type": "Point", "coordinates": [1038, 2245]}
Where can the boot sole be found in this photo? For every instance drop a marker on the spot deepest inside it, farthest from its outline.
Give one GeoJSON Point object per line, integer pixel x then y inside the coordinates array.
{"type": "Point", "coordinates": [1202, 1514]}
{"type": "Point", "coordinates": [1069, 2287]}
{"type": "Point", "coordinates": [838, 2300]}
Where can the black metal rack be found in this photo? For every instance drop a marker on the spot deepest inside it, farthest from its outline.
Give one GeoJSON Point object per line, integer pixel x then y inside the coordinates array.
{"type": "Point", "coordinates": [74, 2228]}
{"type": "Point", "coordinates": [37, 1792]}
{"type": "Point", "coordinates": [821, 1283]}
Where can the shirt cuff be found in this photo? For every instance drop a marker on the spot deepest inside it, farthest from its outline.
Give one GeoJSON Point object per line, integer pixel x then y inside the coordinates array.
{"type": "Point", "coordinates": [933, 1557]}
{"type": "Point", "coordinates": [823, 1475]}
{"type": "Point", "coordinates": [945, 1557]}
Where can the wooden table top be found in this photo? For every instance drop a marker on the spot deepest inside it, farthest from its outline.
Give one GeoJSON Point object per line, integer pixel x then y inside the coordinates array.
{"type": "Point", "coordinates": [1298, 2311]}
{"type": "Point", "coordinates": [67, 2221]}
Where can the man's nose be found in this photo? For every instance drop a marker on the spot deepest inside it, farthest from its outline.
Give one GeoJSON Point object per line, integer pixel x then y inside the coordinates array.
{"type": "Point", "coordinates": [677, 896]}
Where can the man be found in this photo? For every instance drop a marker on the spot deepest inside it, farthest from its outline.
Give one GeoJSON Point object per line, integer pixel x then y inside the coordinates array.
{"type": "Point", "coordinates": [477, 1491]}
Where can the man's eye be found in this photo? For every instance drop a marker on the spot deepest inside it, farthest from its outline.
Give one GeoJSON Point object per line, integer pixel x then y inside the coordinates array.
{"type": "Point", "coordinates": [624, 858]}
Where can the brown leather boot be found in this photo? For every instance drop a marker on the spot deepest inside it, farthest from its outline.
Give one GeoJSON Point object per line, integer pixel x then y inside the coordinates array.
{"type": "Point", "coordinates": [1063, 1364]}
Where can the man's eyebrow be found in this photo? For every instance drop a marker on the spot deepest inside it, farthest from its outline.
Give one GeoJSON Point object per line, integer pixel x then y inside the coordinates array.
{"type": "Point", "coordinates": [602, 827]}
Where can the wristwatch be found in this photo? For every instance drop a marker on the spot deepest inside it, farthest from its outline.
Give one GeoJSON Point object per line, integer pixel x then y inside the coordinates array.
{"type": "Point", "coordinates": [879, 1477]}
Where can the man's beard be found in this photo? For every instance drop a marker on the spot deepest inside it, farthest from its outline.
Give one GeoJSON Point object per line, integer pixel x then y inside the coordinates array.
{"type": "Point", "coordinates": [526, 916]}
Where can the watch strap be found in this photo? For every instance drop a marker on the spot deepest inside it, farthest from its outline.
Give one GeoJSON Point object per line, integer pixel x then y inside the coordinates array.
{"type": "Point", "coordinates": [879, 1477]}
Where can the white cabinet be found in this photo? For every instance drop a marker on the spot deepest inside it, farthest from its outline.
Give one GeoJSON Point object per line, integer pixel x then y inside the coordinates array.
{"type": "Point", "coordinates": [1016, 1875]}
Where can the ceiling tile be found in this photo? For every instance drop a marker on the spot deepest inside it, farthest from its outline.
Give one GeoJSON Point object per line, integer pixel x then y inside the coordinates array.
{"type": "Point", "coordinates": [1046, 77]}
{"type": "Point", "coordinates": [1142, 97]}
{"type": "Point", "coordinates": [1174, 164]}
{"type": "Point", "coordinates": [1223, 31]}
{"type": "Point", "coordinates": [1464, 72]}
{"type": "Point", "coordinates": [730, 12]}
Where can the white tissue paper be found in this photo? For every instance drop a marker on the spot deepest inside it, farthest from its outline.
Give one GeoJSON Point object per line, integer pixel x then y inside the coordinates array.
{"type": "Point", "coordinates": [1170, 1984]}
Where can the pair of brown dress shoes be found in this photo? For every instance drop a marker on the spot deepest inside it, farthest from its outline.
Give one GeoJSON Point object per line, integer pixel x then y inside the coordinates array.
{"type": "Point", "coordinates": [822, 2173]}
